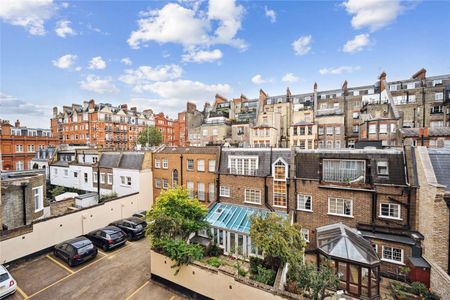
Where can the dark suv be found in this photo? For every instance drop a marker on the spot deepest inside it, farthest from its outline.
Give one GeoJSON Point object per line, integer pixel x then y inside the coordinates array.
{"type": "Point", "coordinates": [75, 251]}
{"type": "Point", "coordinates": [134, 227]}
{"type": "Point", "coordinates": [108, 237]}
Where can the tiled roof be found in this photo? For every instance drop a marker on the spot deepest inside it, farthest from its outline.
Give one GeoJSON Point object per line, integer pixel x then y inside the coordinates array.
{"type": "Point", "coordinates": [414, 132]}
{"type": "Point", "coordinates": [440, 159]}
{"type": "Point", "coordinates": [190, 150]}
{"type": "Point", "coordinates": [131, 161]}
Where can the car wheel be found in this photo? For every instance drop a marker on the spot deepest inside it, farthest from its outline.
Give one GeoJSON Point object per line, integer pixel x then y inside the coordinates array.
{"type": "Point", "coordinates": [129, 236]}
{"type": "Point", "coordinates": [105, 248]}
{"type": "Point", "coordinates": [70, 263]}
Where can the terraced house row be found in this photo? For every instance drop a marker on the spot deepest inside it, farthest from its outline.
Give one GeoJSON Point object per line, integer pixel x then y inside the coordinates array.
{"type": "Point", "coordinates": [411, 111]}
{"type": "Point", "coordinates": [373, 191]}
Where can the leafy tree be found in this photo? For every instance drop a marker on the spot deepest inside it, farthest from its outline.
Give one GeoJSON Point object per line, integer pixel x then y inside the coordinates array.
{"type": "Point", "coordinates": [277, 238]}
{"type": "Point", "coordinates": [150, 136]}
{"type": "Point", "coordinates": [315, 283]}
{"type": "Point", "coordinates": [57, 190]}
{"type": "Point", "coordinates": [173, 218]}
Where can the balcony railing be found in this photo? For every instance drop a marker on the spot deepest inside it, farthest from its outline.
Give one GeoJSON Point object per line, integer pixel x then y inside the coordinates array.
{"type": "Point", "coordinates": [329, 111]}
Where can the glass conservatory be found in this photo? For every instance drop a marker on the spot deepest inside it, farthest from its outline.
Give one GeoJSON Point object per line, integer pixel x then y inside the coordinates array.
{"type": "Point", "coordinates": [353, 258]}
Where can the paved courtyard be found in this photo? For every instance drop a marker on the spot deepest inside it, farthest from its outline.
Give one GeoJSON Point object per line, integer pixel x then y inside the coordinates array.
{"type": "Point", "coordinates": [119, 274]}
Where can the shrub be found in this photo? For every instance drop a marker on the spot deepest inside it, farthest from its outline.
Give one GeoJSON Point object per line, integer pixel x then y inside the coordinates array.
{"type": "Point", "coordinates": [419, 288]}
{"type": "Point", "coordinates": [107, 197]}
{"type": "Point", "coordinates": [214, 250]}
{"type": "Point", "coordinates": [57, 190]}
{"type": "Point", "coordinates": [179, 251]}
{"type": "Point", "coordinates": [214, 262]}
{"type": "Point", "coordinates": [264, 275]}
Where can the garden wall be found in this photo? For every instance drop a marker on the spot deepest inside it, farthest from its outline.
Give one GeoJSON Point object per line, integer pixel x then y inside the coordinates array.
{"type": "Point", "coordinates": [440, 281]}
{"type": "Point", "coordinates": [213, 283]}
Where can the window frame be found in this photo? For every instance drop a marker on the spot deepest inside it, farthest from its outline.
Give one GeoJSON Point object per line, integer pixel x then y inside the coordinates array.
{"type": "Point", "coordinates": [187, 165]}
{"type": "Point", "coordinates": [310, 202]}
{"type": "Point", "coordinates": [402, 255]}
{"type": "Point", "coordinates": [213, 165]}
{"type": "Point", "coordinates": [339, 214]}
{"type": "Point", "coordinates": [224, 188]}
{"type": "Point", "coordinates": [200, 166]}
{"type": "Point", "coordinates": [389, 209]}
{"type": "Point", "coordinates": [256, 192]}
{"type": "Point", "coordinates": [40, 195]}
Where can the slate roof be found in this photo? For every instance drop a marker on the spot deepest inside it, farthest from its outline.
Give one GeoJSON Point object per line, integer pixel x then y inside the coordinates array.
{"type": "Point", "coordinates": [190, 150]}
{"type": "Point", "coordinates": [414, 132]}
{"type": "Point", "coordinates": [125, 160]}
{"type": "Point", "coordinates": [266, 157]}
{"type": "Point", "coordinates": [440, 159]}
{"type": "Point", "coordinates": [308, 163]}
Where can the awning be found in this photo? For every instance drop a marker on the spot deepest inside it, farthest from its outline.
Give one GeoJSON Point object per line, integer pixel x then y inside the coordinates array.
{"type": "Point", "coordinates": [341, 242]}
{"type": "Point", "coordinates": [234, 217]}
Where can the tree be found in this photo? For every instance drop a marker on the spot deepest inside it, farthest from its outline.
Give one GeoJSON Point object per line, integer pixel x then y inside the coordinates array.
{"type": "Point", "coordinates": [277, 238]}
{"type": "Point", "coordinates": [150, 137]}
{"type": "Point", "coordinates": [172, 220]}
{"type": "Point", "coordinates": [57, 190]}
{"type": "Point", "coordinates": [315, 283]}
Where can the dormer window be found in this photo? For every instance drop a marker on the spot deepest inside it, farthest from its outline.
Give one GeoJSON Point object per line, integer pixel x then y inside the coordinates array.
{"type": "Point", "coordinates": [382, 168]}
{"type": "Point", "coordinates": [344, 171]}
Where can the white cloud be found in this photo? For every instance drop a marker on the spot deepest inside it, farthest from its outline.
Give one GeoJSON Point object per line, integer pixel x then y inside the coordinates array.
{"type": "Point", "coordinates": [339, 70]}
{"type": "Point", "coordinates": [65, 4]}
{"type": "Point", "coordinates": [171, 95]}
{"type": "Point", "coordinates": [98, 84]}
{"type": "Point", "coordinates": [202, 56]}
{"type": "Point", "coordinates": [30, 14]}
{"type": "Point", "coordinates": [174, 23]}
{"type": "Point", "coordinates": [78, 69]}
{"type": "Point", "coordinates": [126, 61]}
{"type": "Point", "coordinates": [258, 79]}
{"type": "Point", "coordinates": [14, 106]}
{"type": "Point", "coordinates": [63, 29]}
{"type": "Point", "coordinates": [357, 44]}
{"type": "Point", "coordinates": [65, 61]}
{"type": "Point", "coordinates": [143, 76]}
{"type": "Point", "coordinates": [289, 77]}
{"type": "Point", "coordinates": [301, 45]}
{"type": "Point", "coordinates": [97, 63]}
{"type": "Point", "coordinates": [271, 14]}
{"type": "Point", "coordinates": [372, 14]}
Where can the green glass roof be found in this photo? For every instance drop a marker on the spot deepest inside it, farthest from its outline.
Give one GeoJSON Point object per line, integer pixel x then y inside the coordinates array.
{"type": "Point", "coordinates": [234, 217]}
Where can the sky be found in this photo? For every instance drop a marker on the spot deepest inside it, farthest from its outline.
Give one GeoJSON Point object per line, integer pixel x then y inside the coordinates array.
{"type": "Point", "coordinates": [160, 54]}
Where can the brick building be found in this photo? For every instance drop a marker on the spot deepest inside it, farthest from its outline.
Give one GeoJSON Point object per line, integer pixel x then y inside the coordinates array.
{"type": "Point", "coordinates": [185, 123]}
{"type": "Point", "coordinates": [165, 125]}
{"type": "Point", "coordinates": [193, 168]}
{"type": "Point", "coordinates": [22, 198]}
{"type": "Point", "coordinates": [101, 125]}
{"type": "Point", "coordinates": [19, 144]}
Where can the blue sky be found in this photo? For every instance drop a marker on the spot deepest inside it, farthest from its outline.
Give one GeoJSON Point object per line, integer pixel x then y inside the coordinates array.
{"type": "Point", "coordinates": [157, 54]}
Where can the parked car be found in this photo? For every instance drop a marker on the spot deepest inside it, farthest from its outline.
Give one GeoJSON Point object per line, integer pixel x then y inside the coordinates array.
{"type": "Point", "coordinates": [76, 251]}
{"type": "Point", "coordinates": [140, 214]}
{"type": "Point", "coordinates": [108, 237]}
{"type": "Point", "coordinates": [134, 227]}
{"type": "Point", "coordinates": [8, 285]}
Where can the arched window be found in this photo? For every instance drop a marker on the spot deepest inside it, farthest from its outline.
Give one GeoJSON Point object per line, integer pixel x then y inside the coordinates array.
{"type": "Point", "coordinates": [174, 178]}
{"type": "Point", "coordinates": [280, 174]}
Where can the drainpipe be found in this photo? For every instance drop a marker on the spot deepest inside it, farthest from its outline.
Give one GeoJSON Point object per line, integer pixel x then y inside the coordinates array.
{"type": "Point", "coordinates": [423, 107]}
{"type": "Point", "coordinates": [181, 169]}
{"type": "Point", "coordinates": [447, 201]}
{"type": "Point", "coordinates": [219, 160]}
{"type": "Point", "coordinates": [408, 211]}
{"type": "Point", "coordinates": [24, 203]}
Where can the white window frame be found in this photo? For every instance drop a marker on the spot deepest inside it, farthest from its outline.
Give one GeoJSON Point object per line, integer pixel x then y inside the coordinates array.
{"type": "Point", "coordinates": [225, 191]}
{"type": "Point", "coordinates": [239, 164]}
{"type": "Point", "coordinates": [212, 165]}
{"type": "Point", "coordinates": [187, 165]}
{"type": "Point", "coordinates": [399, 209]}
{"type": "Point", "coordinates": [372, 128]}
{"type": "Point", "coordinates": [102, 178]}
{"type": "Point", "coordinates": [158, 183]}
{"type": "Point", "coordinates": [383, 248]}
{"type": "Point", "coordinates": [165, 183]}
{"type": "Point", "coordinates": [337, 213]}
{"type": "Point", "coordinates": [165, 163]}
{"type": "Point", "coordinates": [109, 178]}
{"type": "Point", "coordinates": [40, 195]}
{"type": "Point", "coordinates": [305, 234]}
{"type": "Point", "coordinates": [383, 128]}
{"type": "Point", "coordinates": [255, 193]}
{"type": "Point", "coordinates": [438, 96]}
{"type": "Point", "coordinates": [382, 163]}
{"type": "Point", "coordinates": [302, 197]}
{"type": "Point", "coordinates": [200, 165]}
{"type": "Point", "coordinates": [190, 188]}
{"type": "Point", "coordinates": [157, 164]}
{"type": "Point", "coordinates": [94, 177]}
{"type": "Point", "coordinates": [201, 193]}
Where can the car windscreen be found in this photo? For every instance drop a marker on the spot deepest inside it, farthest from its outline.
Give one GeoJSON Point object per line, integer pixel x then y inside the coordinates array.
{"type": "Point", "coordinates": [115, 235]}
{"type": "Point", "coordinates": [85, 249]}
{"type": "Point", "coordinates": [4, 277]}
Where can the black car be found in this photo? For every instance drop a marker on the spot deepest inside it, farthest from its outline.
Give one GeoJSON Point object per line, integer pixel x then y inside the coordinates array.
{"type": "Point", "coordinates": [134, 227]}
{"type": "Point", "coordinates": [140, 214]}
{"type": "Point", "coordinates": [75, 251]}
{"type": "Point", "coordinates": [108, 237]}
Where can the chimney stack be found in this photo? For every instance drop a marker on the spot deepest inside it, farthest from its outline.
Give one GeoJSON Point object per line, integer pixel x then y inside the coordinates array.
{"type": "Point", "coordinates": [382, 79]}
{"type": "Point", "coordinates": [315, 100]}
{"type": "Point", "coordinates": [17, 124]}
{"type": "Point", "coordinates": [420, 75]}
{"type": "Point", "coordinates": [344, 86]}
{"type": "Point", "coordinates": [55, 112]}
